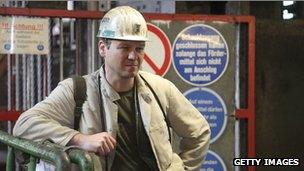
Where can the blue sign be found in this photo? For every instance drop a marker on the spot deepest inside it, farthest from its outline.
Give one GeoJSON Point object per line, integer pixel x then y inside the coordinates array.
{"type": "Point", "coordinates": [213, 162]}
{"type": "Point", "coordinates": [200, 55]}
{"type": "Point", "coordinates": [212, 107]}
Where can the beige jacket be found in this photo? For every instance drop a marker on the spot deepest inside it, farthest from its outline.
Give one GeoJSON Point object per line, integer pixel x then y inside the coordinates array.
{"type": "Point", "coordinates": [53, 119]}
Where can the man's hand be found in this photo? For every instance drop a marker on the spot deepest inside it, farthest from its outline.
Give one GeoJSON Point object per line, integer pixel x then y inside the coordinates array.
{"type": "Point", "coordinates": [102, 143]}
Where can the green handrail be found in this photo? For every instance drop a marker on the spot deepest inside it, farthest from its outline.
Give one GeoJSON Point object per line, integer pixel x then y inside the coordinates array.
{"type": "Point", "coordinates": [54, 155]}
{"type": "Point", "coordinates": [60, 156]}
{"type": "Point", "coordinates": [80, 157]}
{"type": "Point", "coordinates": [10, 159]}
{"type": "Point", "coordinates": [32, 164]}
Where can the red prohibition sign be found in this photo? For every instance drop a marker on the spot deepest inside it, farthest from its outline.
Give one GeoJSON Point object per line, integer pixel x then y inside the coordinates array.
{"type": "Point", "coordinates": [159, 70]}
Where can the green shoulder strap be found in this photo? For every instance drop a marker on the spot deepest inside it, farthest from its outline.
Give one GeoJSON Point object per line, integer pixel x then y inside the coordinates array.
{"type": "Point", "coordinates": [80, 95]}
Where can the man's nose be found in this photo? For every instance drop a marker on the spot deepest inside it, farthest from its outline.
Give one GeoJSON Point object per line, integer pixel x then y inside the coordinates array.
{"type": "Point", "coordinates": [132, 55]}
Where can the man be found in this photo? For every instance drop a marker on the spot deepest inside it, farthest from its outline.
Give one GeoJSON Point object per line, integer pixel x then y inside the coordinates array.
{"type": "Point", "coordinates": [124, 117]}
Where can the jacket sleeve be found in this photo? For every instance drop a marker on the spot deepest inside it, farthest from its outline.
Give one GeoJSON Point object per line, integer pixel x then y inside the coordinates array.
{"type": "Point", "coordinates": [191, 126]}
{"type": "Point", "coordinates": [51, 118]}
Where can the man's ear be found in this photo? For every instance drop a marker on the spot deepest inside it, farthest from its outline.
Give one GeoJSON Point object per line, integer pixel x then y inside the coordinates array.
{"type": "Point", "coordinates": [102, 48]}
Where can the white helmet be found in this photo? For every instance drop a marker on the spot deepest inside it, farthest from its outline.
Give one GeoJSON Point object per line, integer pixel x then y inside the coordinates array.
{"type": "Point", "coordinates": [123, 23]}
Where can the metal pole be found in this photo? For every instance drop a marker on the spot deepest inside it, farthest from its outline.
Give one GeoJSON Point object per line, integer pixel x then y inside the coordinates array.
{"type": "Point", "coordinates": [61, 49]}
{"type": "Point", "coordinates": [78, 38]}
{"type": "Point", "coordinates": [237, 134]}
{"type": "Point", "coordinates": [24, 104]}
{"type": "Point", "coordinates": [10, 159]}
{"type": "Point", "coordinates": [39, 78]}
{"type": "Point", "coordinates": [28, 82]}
{"type": "Point", "coordinates": [49, 74]}
{"type": "Point", "coordinates": [32, 81]}
{"type": "Point", "coordinates": [89, 46]}
{"type": "Point", "coordinates": [49, 63]}
{"type": "Point", "coordinates": [94, 46]}
{"type": "Point", "coordinates": [17, 87]}
{"type": "Point", "coordinates": [9, 89]}
{"type": "Point", "coordinates": [31, 166]}
{"type": "Point", "coordinates": [44, 76]}
{"type": "Point", "coordinates": [92, 6]}
{"type": "Point", "coordinates": [237, 97]}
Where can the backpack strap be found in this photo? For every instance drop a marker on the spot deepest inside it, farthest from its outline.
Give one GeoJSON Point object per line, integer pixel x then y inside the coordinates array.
{"type": "Point", "coordinates": [80, 95]}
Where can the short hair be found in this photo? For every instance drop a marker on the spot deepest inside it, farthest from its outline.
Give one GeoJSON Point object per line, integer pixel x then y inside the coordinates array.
{"type": "Point", "coordinates": [107, 42]}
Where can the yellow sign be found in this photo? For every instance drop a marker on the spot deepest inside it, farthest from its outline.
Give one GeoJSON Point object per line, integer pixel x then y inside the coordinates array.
{"type": "Point", "coordinates": [23, 35]}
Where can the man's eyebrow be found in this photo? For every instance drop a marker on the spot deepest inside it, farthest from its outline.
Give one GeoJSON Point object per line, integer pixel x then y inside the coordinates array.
{"type": "Point", "coordinates": [127, 44]}
{"type": "Point", "coordinates": [123, 44]}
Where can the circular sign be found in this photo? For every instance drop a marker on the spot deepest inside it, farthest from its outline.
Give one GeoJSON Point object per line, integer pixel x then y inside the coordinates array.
{"type": "Point", "coordinates": [40, 47]}
{"type": "Point", "coordinates": [200, 55]}
{"type": "Point", "coordinates": [212, 107]}
{"type": "Point", "coordinates": [213, 162]}
{"type": "Point", "coordinates": [157, 57]}
{"type": "Point", "coordinates": [7, 46]}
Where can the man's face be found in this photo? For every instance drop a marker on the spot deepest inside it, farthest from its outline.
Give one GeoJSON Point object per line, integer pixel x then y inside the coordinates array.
{"type": "Point", "coordinates": [123, 58]}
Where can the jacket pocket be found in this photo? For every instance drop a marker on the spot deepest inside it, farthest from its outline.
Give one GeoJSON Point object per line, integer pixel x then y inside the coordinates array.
{"type": "Point", "coordinates": [161, 143]}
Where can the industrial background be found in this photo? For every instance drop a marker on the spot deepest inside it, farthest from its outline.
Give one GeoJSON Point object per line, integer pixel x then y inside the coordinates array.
{"type": "Point", "coordinates": [279, 40]}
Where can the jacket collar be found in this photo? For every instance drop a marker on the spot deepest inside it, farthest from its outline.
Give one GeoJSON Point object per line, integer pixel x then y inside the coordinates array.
{"type": "Point", "coordinates": [109, 92]}
{"type": "Point", "coordinates": [106, 88]}
{"type": "Point", "coordinates": [145, 100]}
{"type": "Point", "coordinates": [143, 89]}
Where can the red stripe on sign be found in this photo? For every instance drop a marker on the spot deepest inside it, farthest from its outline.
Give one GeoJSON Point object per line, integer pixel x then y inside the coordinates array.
{"type": "Point", "coordinates": [166, 43]}
{"type": "Point", "coordinates": [152, 64]}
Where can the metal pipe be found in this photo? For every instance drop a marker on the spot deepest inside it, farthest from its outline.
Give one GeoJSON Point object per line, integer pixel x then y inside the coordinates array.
{"type": "Point", "coordinates": [61, 49]}
{"type": "Point", "coordinates": [94, 46]}
{"type": "Point", "coordinates": [44, 77]}
{"type": "Point", "coordinates": [9, 89]}
{"type": "Point", "coordinates": [91, 6]}
{"type": "Point", "coordinates": [78, 48]}
{"type": "Point", "coordinates": [24, 106]}
{"type": "Point", "coordinates": [17, 86]}
{"type": "Point", "coordinates": [28, 82]}
{"type": "Point", "coordinates": [31, 166]}
{"type": "Point", "coordinates": [237, 146]}
{"type": "Point", "coordinates": [89, 47]}
{"type": "Point", "coordinates": [32, 81]}
{"type": "Point", "coordinates": [49, 153]}
{"type": "Point", "coordinates": [72, 34]}
{"type": "Point", "coordinates": [49, 74]}
{"type": "Point", "coordinates": [48, 68]}
{"type": "Point", "coordinates": [77, 156]}
{"type": "Point", "coordinates": [10, 159]}
{"type": "Point", "coordinates": [82, 158]}
{"type": "Point", "coordinates": [39, 78]}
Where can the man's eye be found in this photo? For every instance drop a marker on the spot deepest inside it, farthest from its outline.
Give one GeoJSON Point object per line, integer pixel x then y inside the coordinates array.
{"type": "Point", "coordinates": [140, 49]}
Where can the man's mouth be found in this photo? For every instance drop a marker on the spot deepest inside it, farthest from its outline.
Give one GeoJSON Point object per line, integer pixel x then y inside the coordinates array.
{"type": "Point", "coordinates": [132, 65]}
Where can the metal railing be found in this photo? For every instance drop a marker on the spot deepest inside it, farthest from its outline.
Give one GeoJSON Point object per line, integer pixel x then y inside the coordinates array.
{"type": "Point", "coordinates": [61, 157]}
